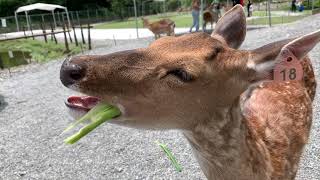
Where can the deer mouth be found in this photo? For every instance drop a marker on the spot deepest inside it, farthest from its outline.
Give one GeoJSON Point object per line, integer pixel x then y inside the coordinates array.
{"type": "Point", "coordinates": [78, 106]}
{"type": "Point", "coordinates": [81, 103]}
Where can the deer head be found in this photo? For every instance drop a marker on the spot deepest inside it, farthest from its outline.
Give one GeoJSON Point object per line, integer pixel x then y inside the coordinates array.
{"type": "Point", "coordinates": [145, 22]}
{"type": "Point", "coordinates": [178, 82]}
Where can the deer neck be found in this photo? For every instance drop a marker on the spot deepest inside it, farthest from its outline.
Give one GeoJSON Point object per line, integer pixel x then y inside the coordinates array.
{"type": "Point", "coordinates": [224, 149]}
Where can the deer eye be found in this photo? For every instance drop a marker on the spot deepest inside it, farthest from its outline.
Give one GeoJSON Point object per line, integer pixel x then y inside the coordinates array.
{"type": "Point", "coordinates": [181, 74]}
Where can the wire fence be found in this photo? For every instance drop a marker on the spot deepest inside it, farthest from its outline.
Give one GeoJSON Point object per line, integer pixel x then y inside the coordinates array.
{"type": "Point", "coordinates": [80, 17]}
{"type": "Point", "coordinates": [76, 18]}
{"type": "Point", "coordinates": [280, 12]}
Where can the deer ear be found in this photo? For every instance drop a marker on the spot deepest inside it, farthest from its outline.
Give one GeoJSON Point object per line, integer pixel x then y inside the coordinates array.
{"type": "Point", "coordinates": [232, 27]}
{"type": "Point", "coordinates": [301, 46]}
{"type": "Point", "coordinates": [267, 58]}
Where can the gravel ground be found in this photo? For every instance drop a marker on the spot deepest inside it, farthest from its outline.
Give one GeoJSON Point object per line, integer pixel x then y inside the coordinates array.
{"type": "Point", "coordinates": [32, 116]}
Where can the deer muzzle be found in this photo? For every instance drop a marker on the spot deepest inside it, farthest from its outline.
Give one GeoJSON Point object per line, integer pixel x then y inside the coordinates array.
{"type": "Point", "coordinates": [70, 73]}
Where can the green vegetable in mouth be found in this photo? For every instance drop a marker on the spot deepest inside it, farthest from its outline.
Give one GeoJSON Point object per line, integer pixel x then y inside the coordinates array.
{"type": "Point", "coordinates": [101, 113]}
{"type": "Point", "coordinates": [170, 156]}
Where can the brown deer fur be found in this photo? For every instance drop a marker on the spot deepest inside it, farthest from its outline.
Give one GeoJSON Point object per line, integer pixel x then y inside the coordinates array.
{"type": "Point", "coordinates": [240, 123]}
{"type": "Point", "coordinates": [160, 27]}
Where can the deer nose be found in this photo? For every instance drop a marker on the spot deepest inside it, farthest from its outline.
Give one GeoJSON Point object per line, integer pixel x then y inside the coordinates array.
{"type": "Point", "coordinates": [70, 73]}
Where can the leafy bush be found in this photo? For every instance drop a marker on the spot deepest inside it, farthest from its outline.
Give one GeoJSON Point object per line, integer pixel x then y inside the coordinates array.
{"type": "Point", "coordinates": [316, 4]}
{"type": "Point", "coordinates": [173, 5]}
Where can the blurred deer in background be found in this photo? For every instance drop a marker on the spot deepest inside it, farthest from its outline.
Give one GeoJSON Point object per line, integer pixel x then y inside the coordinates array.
{"type": "Point", "coordinates": [163, 26]}
{"type": "Point", "coordinates": [210, 16]}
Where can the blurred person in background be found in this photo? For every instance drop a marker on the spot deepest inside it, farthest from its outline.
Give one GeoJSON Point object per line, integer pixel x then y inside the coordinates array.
{"type": "Point", "coordinates": [195, 14]}
{"type": "Point", "coordinates": [293, 5]}
{"type": "Point", "coordinates": [249, 8]}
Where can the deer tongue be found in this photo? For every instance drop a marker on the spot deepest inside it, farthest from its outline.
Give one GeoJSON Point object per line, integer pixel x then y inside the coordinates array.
{"type": "Point", "coordinates": [82, 102]}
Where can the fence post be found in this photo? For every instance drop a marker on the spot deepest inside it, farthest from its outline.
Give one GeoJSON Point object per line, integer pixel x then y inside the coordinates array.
{"type": "Point", "coordinates": [31, 30]}
{"type": "Point", "coordinates": [269, 12]}
{"type": "Point", "coordinates": [59, 19]}
{"type": "Point", "coordinates": [24, 32]}
{"type": "Point", "coordinates": [67, 27]}
{"type": "Point", "coordinates": [78, 19]}
{"type": "Point", "coordinates": [53, 36]}
{"type": "Point", "coordinates": [97, 18]}
{"type": "Point", "coordinates": [136, 17]}
{"type": "Point", "coordinates": [44, 32]}
{"type": "Point", "coordinates": [88, 14]}
{"type": "Point", "coordinates": [42, 18]}
{"type": "Point", "coordinates": [74, 34]}
{"type": "Point", "coordinates": [89, 37]}
{"type": "Point", "coordinates": [81, 29]}
{"type": "Point", "coordinates": [65, 39]}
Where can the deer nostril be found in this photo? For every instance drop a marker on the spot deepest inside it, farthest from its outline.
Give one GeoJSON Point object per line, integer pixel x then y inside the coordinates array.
{"type": "Point", "coordinates": [71, 73]}
{"type": "Point", "coordinates": [76, 75]}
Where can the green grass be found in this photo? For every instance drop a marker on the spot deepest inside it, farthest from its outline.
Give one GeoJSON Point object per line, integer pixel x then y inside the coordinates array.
{"type": "Point", "coordinates": [274, 20]}
{"type": "Point", "coordinates": [276, 13]}
{"type": "Point", "coordinates": [39, 50]}
{"type": "Point", "coordinates": [185, 20]}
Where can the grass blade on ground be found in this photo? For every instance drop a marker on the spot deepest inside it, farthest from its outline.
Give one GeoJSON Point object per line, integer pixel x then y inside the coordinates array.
{"type": "Point", "coordinates": [173, 160]}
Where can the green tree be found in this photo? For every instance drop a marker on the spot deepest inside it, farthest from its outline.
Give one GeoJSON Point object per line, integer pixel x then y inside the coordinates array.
{"type": "Point", "coordinates": [119, 7]}
{"type": "Point", "coordinates": [186, 3]}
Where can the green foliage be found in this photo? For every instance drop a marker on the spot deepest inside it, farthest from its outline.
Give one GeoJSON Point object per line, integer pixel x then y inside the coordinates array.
{"type": "Point", "coordinates": [18, 58]}
{"type": "Point", "coordinates": [7, 7]}
{"type": "Point", "coordinates": [118, 7]}
{"type": "Point", "coordinates": [173, 5]}
{"type": "Point", "coordinates": [316, 4]}
{"type": "Point", "coordinates": [40, 51]}
{"type": "Point", "coordinates": [186, 3]}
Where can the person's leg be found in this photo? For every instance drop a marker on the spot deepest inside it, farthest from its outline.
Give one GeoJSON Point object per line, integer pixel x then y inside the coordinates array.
{"type": "Point", "coordinates": [197, 20]}
{"type": "Point", "coordinates": [193, 20]}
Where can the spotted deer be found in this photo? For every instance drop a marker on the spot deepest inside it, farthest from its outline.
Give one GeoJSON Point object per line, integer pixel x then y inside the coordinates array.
{"type": "Point", "coordinates": [160, 27]}
{"type": "Point", "coordinates": [241, 123]}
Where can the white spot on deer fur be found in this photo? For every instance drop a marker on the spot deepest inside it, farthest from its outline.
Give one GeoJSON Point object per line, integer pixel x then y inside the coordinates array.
{"type": "Point", "coordinates": [251, 64]}
{"type": "Point", "coordinates": [267, 132]}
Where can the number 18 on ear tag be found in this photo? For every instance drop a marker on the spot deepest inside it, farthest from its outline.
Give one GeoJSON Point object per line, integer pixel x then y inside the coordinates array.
{"type": "Point", "coordinates": [288, 69]}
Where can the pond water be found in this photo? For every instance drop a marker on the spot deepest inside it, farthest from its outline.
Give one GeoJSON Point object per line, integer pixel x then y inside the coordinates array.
{"type": "Point", "coordinates": [10, 59]}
